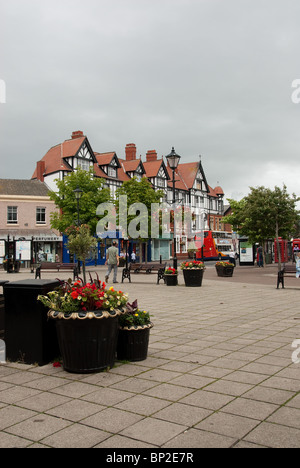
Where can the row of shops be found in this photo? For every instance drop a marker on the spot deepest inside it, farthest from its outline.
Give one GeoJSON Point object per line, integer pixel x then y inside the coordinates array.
{"type": "Point", "coordinates": [28, 251]}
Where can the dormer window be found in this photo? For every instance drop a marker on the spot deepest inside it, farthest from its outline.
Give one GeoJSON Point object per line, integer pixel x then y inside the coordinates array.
{"type": "Point", "coordinates": [112, 171]}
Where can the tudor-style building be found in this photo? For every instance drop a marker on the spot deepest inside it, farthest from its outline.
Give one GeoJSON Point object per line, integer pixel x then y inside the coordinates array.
{"type": "Point", "coordinates": [191, 184]}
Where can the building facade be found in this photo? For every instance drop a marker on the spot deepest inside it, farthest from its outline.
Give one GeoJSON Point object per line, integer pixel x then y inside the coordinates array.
{"type": "Point", "coordinates": [191, 187]}
{"type": "Point", "coordinates": [25, 232]}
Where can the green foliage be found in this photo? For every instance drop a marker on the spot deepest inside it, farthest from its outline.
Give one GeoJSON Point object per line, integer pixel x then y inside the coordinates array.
{"type": "Point", "coordinates": [139, 192]}
{"type": "Point", "coordinates": [93, 195]}
{"type": "Point", "coordinates": [264, 214]}
{"type": "Point", "coordinates": [80, 241]}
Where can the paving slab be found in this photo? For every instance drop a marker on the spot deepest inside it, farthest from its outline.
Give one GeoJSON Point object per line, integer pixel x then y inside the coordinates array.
{"type": "Point", "coordinates": [219, 374]}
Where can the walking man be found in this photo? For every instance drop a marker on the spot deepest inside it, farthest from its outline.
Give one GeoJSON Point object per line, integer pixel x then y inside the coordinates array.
{"type": "Point", "coordinates": [112, 260]}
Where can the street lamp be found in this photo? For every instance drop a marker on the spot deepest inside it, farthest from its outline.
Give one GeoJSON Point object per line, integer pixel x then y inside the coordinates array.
{"type": "Point", "coordinates": [173, 160]}
{"type": "Point", "coordinates": [78, 194]}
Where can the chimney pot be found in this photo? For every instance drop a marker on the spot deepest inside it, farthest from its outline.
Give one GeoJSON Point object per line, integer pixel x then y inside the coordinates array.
{"type": "Point", "coordinates": [78, 134]}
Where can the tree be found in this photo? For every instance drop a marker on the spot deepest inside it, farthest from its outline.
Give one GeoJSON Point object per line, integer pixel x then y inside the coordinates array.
{"type": "Point", "coordinates": [265, 214]}
{"type": "Point", "coordinates": [80, 243]}
{"type": "Point", "coordinates": [93, 195]}
{"type": "Point", "coordinates": [137, 192]}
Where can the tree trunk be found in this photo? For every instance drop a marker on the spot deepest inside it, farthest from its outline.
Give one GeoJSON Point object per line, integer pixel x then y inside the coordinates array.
{"type": "Point", "coordinates": [84, 272]}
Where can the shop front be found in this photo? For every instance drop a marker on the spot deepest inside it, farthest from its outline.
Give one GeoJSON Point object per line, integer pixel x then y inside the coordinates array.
{"type": "Point", "coordinates": [23, 250]}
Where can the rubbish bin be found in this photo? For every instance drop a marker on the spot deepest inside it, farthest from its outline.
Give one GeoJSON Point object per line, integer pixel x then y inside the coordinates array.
{"type": "Point", "coordinates": [29, 336]}
{"type": "Point", "coordinates": [2, 311]}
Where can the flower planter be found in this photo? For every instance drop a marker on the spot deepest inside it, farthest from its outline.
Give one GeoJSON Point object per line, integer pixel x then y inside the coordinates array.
{"type": "Point", "coordinates": [87, 340]}
{"type": "Point", "coordinates": [133, 343]}
{"type": "Point", "coordinates": [225, 271]}
{"type": "Point", "coordinates": [193, 277]}
{"type": "Point", "coordinates": [171, 280]}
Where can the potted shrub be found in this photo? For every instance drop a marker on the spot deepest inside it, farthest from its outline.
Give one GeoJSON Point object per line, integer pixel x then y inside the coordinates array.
{"type": "Point", "coordinates": [80, 243]}
{"type": "Point", "coordinates": [193, 273]}
{"type": "Point", "coordinates": [134, 334]}
{"type": "Point", "coordinates": [191, 252]}
{"type": "Point", "coordinates": [171, 277]}
{"type": "Point", "coordinates": [224, 269]}
{"type": "Point", "coordinates": [87, 324]}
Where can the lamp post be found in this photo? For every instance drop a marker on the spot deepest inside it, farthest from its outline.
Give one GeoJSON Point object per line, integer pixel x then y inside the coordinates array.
{"type": "Point", "coordinates": [78, 194]}
{"type": "Point", "coordinates": [173, 160]}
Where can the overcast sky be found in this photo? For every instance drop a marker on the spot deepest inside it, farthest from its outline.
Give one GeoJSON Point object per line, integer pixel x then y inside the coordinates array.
{"type": "Point", "coordinates": [209, 77]}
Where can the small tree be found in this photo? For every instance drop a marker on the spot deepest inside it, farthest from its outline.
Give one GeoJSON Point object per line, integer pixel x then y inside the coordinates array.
{"type": "Point", "coordinates": [80, 243]}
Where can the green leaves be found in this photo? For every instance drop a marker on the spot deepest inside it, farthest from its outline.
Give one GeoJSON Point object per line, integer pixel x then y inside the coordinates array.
{"type": "Point", "coordinates": [93, 195]}
{"type": "Point", "coordinates": [264, 213]}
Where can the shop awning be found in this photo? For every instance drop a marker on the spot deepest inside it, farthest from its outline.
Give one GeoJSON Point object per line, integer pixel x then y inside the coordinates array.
{"type": "Point", "coordinates": [28, 234]}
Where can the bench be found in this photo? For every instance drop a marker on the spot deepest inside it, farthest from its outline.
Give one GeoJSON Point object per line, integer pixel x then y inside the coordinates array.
{"type": "Point", "coordinates": [146, 268]}
{"type": "Point", "coordinates": [286, 271]}
{"type": "Point", "coordinates": [57, 267]}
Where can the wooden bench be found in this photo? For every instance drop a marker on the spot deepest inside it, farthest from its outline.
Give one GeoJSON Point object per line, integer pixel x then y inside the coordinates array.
{"type": "Point", "coordinates": [287, 271]}
{"type": "Point", "coordinates": [146, 268]}
{"type": "Point", "coordinates": [56, 268]}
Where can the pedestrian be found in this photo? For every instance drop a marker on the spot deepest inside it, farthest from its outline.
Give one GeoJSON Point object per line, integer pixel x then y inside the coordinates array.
{"type": "Point", "coordinates": [260, 259]}
{"type": "Point", "coordinates": [232, 257]}
{"type": "Point", "coordinates": [295, 252]}
{"type": "Point", "coordinates": [133, 257]}
{"type": "Point", "coordinates": [297, 258]}
{"type": "Point", "coordinates": [112, 260]}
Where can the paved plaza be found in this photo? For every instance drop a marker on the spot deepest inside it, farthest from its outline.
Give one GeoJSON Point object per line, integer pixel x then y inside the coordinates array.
{"type": "Point", "coordinates": [219, 374]}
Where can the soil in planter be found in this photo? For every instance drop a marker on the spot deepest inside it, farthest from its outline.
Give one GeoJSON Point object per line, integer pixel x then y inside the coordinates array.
{"type": "Point", "coordinates": [133, 345]}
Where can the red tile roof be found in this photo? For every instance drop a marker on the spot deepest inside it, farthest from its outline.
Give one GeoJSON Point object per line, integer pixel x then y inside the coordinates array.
{"type": "Point", "coordinates": [54, 158]}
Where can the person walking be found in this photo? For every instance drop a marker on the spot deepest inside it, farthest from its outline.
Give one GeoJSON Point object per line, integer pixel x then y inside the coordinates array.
{"type": "Point", "coordinates": [112, 260]}
{"type": "Point", "coordinates": [133, 257]}
{"type": "Point", "coordinates": [260, 259]}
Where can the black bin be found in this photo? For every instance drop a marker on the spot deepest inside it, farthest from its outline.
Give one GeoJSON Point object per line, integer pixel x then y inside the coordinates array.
{"type": "Point", "coordinates": [29, 336]}
{"type": "Point", "coordinates": [2, 311]}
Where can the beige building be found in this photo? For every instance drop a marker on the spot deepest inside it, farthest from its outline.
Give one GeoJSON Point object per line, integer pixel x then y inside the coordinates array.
{"type": "Point", "coordinates": [25, 231]}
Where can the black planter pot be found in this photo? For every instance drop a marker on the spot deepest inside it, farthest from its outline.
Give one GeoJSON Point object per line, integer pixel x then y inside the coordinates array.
{"type": "Point", "coordinates": [87, 345]}
{"type": "Point", "coordinates": [193, 278]}
{"type": "Point", "coordinates": [133, 343]}
{"type": "Point", "coordinates": [171, 280]}
{"type": "Point", "coordinates": [224, 271]}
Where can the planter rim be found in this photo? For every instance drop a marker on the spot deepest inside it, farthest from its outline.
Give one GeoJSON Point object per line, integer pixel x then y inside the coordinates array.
{"type": "Point", "coordinates": [194, 269]}
{"type": "Point", "coordinates": [89, 315]}
{"type": "Point", "coordinates": [137, 327]}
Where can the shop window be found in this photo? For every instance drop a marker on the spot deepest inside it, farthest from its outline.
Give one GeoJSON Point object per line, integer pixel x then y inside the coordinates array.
{"type": "Point", "coordinates": [12, 215]}
{"type": "Point", "coordinates": [41, 216]}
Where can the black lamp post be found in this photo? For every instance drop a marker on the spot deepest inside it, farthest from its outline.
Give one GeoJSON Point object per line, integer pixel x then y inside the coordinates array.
{"type": "Point", "coordinates": [173, 160]}
{"type": "Point", "coordinates": [78, 194]}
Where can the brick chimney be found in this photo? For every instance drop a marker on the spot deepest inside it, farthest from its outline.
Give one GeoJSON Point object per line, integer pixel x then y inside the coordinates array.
{"type": "Point", "coordinates": [151, 156]}
{"type": "Point", "coordinates": [130, 152]}
{"type": "Point", "coordinates": [40, 170]}
{"type": "Point", "coordinates": [77, 134]}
